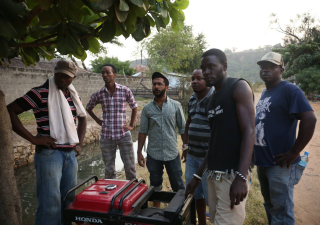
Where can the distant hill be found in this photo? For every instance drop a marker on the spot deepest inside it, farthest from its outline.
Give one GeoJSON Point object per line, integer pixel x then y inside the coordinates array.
{"type": "Point", "coordinates": [244, 64]}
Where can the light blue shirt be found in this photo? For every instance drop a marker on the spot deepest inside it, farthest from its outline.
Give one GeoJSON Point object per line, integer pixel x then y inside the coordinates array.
{"type": "Point", "coordinates": [160, 126]}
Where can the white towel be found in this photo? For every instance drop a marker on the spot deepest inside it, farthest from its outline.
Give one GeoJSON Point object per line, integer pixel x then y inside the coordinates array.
{"type": "Point", "coordinates": [62, 126]}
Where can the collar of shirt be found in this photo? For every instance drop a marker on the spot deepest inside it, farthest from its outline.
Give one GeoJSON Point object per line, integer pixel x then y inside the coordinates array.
{"type": "Point", "coordinates": [116, 87]}
{"type": "Point", "coordinates": [167, 99]}
{"type": "Point", "coordinates": [210, 92]}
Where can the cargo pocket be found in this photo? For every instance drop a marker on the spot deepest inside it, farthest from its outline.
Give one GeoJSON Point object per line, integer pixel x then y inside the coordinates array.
{"type": "Point", "coordinates": [299, 172]}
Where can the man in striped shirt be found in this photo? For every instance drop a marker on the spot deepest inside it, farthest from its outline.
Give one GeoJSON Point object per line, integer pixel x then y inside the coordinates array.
{"type": "Point", "coordinates": [115, 132]}
{"type": "Point", "coordinates": [56, 164]}
{"type": "Point", "coordinates": [197, 137]}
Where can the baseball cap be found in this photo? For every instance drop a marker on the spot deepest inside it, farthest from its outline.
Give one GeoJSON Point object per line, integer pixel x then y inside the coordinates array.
{"type": "Point", "coordinates": [158, 74]}
{"type": "Point", "coordinates": [66, 67]}
{"type": "Point", "coordinates": [272, 57]}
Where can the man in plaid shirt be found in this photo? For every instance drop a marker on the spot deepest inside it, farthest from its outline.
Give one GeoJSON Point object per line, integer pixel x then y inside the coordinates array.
{"type": "Point", "coordinates": [115, 132]}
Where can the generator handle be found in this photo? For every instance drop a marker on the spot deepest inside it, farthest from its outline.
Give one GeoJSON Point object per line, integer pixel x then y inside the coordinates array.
{"type": "Point", "coordinates": [120, 192]}
{"type": "Point", "coordinates": [76, 187]}
{"type": "Point", "coordinates": [126, 194]}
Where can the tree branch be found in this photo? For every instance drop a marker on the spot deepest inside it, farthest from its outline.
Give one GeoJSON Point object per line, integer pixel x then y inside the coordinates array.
{"type": "Point", "coordinates": [45, 38]}
{"type": "Point", "coordinates": [34, 12]}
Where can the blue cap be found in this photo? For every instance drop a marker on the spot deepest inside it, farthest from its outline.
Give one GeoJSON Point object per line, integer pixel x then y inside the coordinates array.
{"type": "Point", "coordinates": [306, 153]}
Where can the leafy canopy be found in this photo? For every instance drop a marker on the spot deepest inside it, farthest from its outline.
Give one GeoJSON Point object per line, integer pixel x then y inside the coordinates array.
{"type": "Point", "coordinates": [39, 28]}
{"type": "Point", "coordinates": [98, 63]}
{"type": "Point", "coordinates": [301, 53]}
{"type": "Point", "coordinates": [175, 51]}
{"type": "Point", "coordinates": [303, 62]}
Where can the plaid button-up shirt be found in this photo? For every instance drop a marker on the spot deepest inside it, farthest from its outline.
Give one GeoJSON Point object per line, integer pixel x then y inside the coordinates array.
{"type": "Point", "coordinates": [114, 110]}
{"type": "Point", "coordinates": [160, 126]}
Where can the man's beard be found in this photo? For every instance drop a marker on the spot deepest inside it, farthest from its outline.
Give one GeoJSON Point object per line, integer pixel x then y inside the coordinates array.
{"type": "Point", "coordinates": [160, 94]}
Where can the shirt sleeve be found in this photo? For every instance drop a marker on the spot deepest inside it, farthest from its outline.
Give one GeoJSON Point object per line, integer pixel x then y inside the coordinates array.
{"type": "Point", "coordinates": [94, 100]}
{"type": "Point", "coordinates": [31, 100]}
{"type": "Point", "coordinates": [130, 99]}
{"type": "Point", "coordinates": [298, 103]}
{"type": "Point", "coordinates": [144, 122]}
{"type": "Point", "coordinates": [181, 123]}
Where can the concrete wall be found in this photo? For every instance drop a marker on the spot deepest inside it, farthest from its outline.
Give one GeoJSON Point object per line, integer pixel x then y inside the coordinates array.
{"type": "Point", "coordinates": [15, 82]}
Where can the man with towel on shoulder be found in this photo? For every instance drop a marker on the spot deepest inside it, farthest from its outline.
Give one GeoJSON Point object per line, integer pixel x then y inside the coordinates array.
{"type": "Point", "coordinates": [56, 106]}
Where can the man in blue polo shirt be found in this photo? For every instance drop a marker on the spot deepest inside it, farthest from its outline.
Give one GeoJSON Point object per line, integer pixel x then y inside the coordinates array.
{"type": "Point", "coordinates": [277, 150]}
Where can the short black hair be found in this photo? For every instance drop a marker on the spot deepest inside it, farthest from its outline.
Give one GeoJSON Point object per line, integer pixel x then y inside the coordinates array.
{"type": "Point", "coordinates": [216, 52]}
{"type": "Point", "coordinates": [157, 75]}
{"type": "Point", "coordinates": [114, 69]}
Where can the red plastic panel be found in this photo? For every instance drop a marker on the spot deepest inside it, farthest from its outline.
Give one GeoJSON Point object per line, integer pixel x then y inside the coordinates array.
{"type": "Point", "coordinates": [91, 199]}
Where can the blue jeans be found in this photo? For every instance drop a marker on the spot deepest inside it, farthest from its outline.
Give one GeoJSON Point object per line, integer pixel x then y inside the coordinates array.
{"type": "Point", "coordinates": [56, 174]}
{"type": "Point", "coordinates": [277, 190]}
{"type": "Point", "coordinates": [174, 171]}
{"type": "Point", "coordinates": [192, 165]}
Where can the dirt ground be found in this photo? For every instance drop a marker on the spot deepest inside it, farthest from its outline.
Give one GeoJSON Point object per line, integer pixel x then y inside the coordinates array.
{"type": "Point", "coordinates": [307, 191]}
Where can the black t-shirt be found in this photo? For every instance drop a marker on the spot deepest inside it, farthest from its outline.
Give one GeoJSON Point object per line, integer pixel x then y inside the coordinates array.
{"type": "Point", "coordinates": [225, 140]}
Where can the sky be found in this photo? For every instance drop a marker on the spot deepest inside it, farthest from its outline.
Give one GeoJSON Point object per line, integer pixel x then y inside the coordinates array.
{"type": "Point", "coordinates": [243, 24]}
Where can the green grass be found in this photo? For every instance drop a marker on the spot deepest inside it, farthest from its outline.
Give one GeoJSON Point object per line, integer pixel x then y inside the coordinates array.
{"type": "Point", "coordinates": [27, 118]}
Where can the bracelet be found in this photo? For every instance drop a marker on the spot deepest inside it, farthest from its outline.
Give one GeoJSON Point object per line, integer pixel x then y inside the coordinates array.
{"type": "Point", "coordinates": [240, 175]}
{"type": "Point", "coordinates": [185, 147]}
{"type": "Point", "coordinates": [197, 176]}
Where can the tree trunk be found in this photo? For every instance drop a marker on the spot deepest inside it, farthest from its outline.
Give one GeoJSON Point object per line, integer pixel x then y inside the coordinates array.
{"type": "Point", "coordinates": [10, 204]}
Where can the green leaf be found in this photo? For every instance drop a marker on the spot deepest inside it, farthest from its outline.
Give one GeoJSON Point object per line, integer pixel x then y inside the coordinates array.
{"type": "Point", "coordinates": [121, 15]}
{"type": "Point", "coordinates": [177, 19]}
{"type": "Point", "coordinates": [118, 31]}
{"type": "Point", "coordinates": [81, 57]}
{"type": "Point", "coordinates": [124, 30]}
{"type": "Point", "coordinates": [67, 42]}
{"type": "Point", "coordinates": [159, 21]}
{"type": "Point", "coordinates": [44, 31]}
{"type": "Point", "coordinates": [161, 10]}
{"type": "Point", "coordinates": [99, 5]}
{"type": "Point", "coordinates": [85, 11]}
{"type": "Point", "coordinates": [78, 27]}
{"type": "Point", "coordinates": [152, 2]}
{"type": "Point", "coordinates": [165, 4]}
{"type": "Point", "coordinates": [4, 48]}
{"type": "Point", "coordinates": [32, 54]}
{"type": "Point", "coordinates": [166, 20]}
{"type": "Point", "coordinates": [85, 44]}
{"type": "Point", "coordinates": [140, 32]}
{"type": "Point", "coordinates": [45, 4]}
{"type": "Point", "coordinates": [108, 31]}
{"type": "Point", "coordinates": [80, 54]}
{"type": "Point", "coordinates": [132, 18]}
{"type": "Point", "coordinates": [181, 4]}
{"type": "Point", "coordinates": [48, 18]}
{"type": "Point", "coordinates": [7, 29]}
{"type": "Point", "coordinates": [151, 21]}
{"type": "Point", "coordinates": [27, 60]}
{"type": "Point", "coordinates": [137, 2]}
{"type": "Point", "coordinates": [94, 45]}
{"type": "Point", "coordinates": [74, 13]}
{"type": "Point", "coordinates": [31, 4]}
{"type": "Point", "coordinates": [140, 11]}
{"type": "Point", "coordinates": [123, 6]}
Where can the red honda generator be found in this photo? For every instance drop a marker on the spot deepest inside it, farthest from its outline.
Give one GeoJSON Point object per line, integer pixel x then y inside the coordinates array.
{"type": "Point", "coordinates": [124, 202]}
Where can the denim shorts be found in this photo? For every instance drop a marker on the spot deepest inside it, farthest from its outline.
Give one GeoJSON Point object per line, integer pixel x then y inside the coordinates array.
{"type": "Point", "coordinates": [192, 165]}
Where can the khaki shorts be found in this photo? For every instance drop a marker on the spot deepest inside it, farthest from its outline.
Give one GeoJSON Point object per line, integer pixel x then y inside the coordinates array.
{"type": "Point", "coordinates": [219, 203]}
